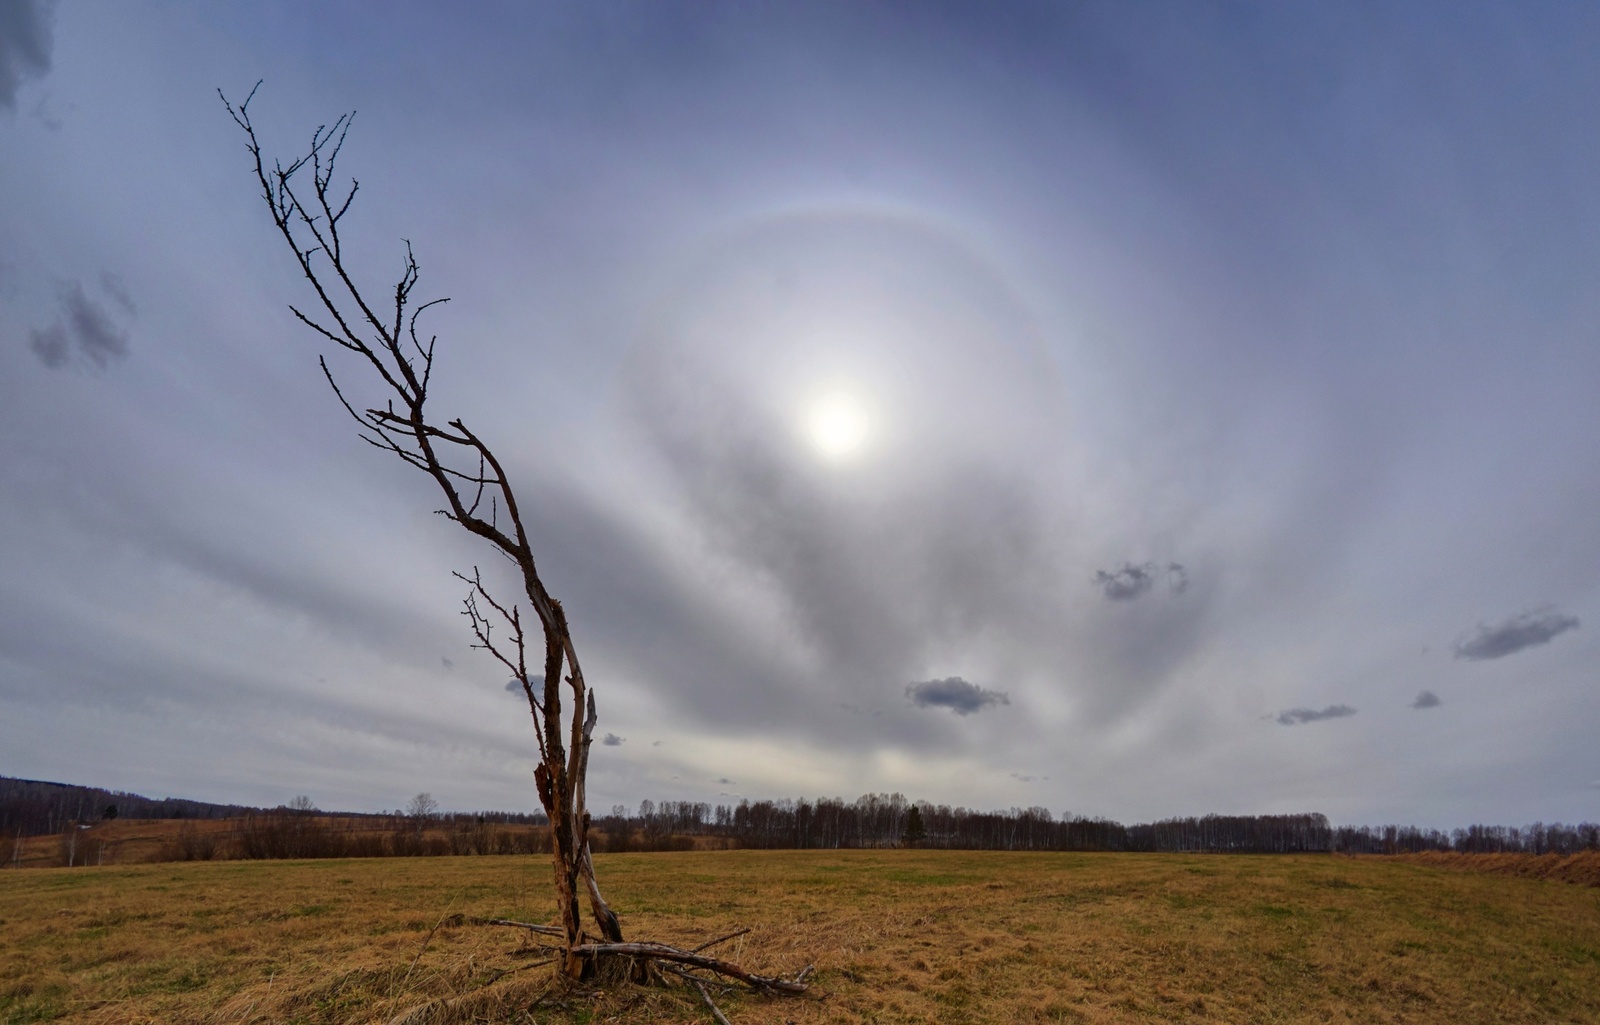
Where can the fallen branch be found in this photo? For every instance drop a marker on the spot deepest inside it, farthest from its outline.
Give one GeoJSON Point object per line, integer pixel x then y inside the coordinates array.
{"type": "Point", "coordinates": [662, 952]}
{"type": "Point", "coordinates": [721, 939]}
{"type": "Point", "coordinates": [543, 930]}
{"type": "Point", "coordinates": [716, 1012]}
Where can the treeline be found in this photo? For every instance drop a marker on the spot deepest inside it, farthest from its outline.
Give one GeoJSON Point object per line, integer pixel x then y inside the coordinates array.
{"type": "Point", "coordinates": [294, 833]}
{"type": "Point", "coordinates": [30, 807]}
{"type": "Point", "coordinates": [885, 820]}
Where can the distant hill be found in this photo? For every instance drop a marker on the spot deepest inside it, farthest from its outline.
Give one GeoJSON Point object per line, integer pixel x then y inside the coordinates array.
{"type": "Point", "coordinates": [31, 807]}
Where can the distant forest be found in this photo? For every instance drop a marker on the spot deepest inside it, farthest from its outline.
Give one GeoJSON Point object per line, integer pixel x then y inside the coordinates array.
{"type": "Point", "coordinates": [882, 820]}
{"type": "Point", "coordinates": [35, 808]}
{"type": "Point", "coordinates": [30, 807]}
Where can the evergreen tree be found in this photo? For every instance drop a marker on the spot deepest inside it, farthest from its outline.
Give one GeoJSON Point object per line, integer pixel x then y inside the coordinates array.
{"type": "Point", "coordinates": [915, 832]}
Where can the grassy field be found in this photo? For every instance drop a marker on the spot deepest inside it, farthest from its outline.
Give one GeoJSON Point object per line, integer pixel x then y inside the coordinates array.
{"type": "Point", "coordinates": [895, 935]}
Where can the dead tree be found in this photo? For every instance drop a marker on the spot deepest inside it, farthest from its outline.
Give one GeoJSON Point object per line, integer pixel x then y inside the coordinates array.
{"type": "Point", "coordinates": [478, 496]}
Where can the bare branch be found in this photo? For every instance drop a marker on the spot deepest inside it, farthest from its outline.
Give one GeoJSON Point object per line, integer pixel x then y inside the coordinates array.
{"type": "Point", "coordinates": [662, 952]}
{"type": "Point", "coordinates": [716, 1012]}
{"type": "Point", "coordinates": [721, 939]}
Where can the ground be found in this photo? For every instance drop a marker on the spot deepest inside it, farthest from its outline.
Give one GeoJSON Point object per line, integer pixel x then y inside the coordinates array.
{"type": "Point", "coordinates": [896, 936]}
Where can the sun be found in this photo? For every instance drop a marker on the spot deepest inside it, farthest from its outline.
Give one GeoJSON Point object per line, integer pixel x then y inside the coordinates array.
{"type": "Point", "coordinates": [836, 424]}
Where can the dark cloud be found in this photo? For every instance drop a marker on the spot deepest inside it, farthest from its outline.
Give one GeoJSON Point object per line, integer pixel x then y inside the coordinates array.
{"type": "Point", "coordinates": [1427, 699]}
{"type": "Point", "coordinates": [24, 45]}
{"type": "Point", "coordinates": [1127, 583]}
{"type": "Point", "coordinates": [612, 740]}
{"type": "Point", "coordinates": [725, 781]}
{"type": "Point", "coordinates": [1132, 581]}
{"type": "Point", "coordinates": [1292, 716]}
{"type": "Point", "coordinates": [84, 329]}
{"type": "Point", "coordinates": [50, 344]}
{"type": "Point", "coordinates": [956, 694]}
{"type": "Point", "coordinates": [443, 661]}
{"type": "Point", "coordinates": [1518, 632]}
{"type": "Point", "coordinates": [513, 686]}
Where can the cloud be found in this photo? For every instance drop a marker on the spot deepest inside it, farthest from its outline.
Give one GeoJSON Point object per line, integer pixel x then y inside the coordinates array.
{"type": "Point", "coordinates": [1292, 716]}
{"type": "Point", "coordinates": [513, 686]}
{"type": "Point", "coordinates": [1020, 778]}
{"type": "Point", "coordinates": [84, 328]}
{"type": "Point", "coordinates": [24, 45]}
{"type": "Point", "coordinates": [1127, 583]}
{"type": "Point", "coordinates": [612, 740]}
{"type": "Point", "coordinates": [725, 781]}
{"type": "Point", "coordinates": [956, 694]}
{"type": "Point", "coordinates": [1516, 633]}
{"type": "Point", "coordinates": [444, 661]}
{"type": "Point", "coordinates": [1427, 699]}
{"type": "Point", "coordinates": [1132, 581]}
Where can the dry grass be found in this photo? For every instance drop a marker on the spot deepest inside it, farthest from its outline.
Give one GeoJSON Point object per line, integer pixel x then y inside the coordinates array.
{"type": "Point", "coordinates": [1582, 868]}
{"type": "Point", "coordinates": [897, 936]}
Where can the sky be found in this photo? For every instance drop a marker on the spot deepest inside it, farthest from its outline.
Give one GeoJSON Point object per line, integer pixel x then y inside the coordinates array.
{"type": "Point", "coordinates": [1127, 410]}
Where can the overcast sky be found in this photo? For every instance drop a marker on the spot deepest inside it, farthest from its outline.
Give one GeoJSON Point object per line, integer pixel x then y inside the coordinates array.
{"type": "Point", "coordinates": [1133, 410]}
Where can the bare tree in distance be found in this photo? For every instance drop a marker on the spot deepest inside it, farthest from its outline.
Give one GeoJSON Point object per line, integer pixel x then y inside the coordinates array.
{"type": "Point", "coordinates": [422, 806]}
{"type": "Point", "coordinates": [478, 496]}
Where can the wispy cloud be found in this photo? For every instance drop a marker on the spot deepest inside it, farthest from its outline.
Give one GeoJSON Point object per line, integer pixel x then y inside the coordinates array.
{"type": "Point", "coordinates": [1427, 699]}
{"type": "Point", "coordinates": [612, 740]}
{"type": "Point", "coordinates": [1525, 631]}
{"type": "Point", "coordinates": [956, 694]}
{"type": "Point", "coordinates": [1294, 716]}
{"type": "Point", "coordinates": [84, 329]}
{"type": "Point", "coordinates": [24, 45]}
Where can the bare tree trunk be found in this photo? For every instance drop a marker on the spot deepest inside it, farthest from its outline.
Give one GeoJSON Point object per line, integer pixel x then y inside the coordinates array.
{"type": "Point", "coordinates": [466, 472]}
{"type": "Point", "coordinates": [399, 365]}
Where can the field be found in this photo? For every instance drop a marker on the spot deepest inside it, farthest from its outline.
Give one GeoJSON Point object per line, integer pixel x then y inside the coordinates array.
{"type": "Point", "coordinates": [896, 936]}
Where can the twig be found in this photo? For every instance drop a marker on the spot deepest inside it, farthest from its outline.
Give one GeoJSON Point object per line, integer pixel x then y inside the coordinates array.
{"type": "Point", "coordinates": [720, 939]}
{"type": "Point", "coordinates": [426, 940]}
{"type": "Point", "coordinates": [543, 930]}
{"type": "Point", "coordinates": [716, 1012]}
